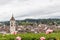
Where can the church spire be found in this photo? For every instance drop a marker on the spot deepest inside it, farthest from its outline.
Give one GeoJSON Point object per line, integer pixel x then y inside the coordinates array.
{"type": "Point", "coordinates": [12, 18]}
{"type": "Point", "coordinates": [12, 24]}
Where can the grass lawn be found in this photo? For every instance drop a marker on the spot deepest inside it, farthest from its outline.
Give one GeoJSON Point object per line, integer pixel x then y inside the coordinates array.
{"type": "Point", "coordinates": [30, 36]}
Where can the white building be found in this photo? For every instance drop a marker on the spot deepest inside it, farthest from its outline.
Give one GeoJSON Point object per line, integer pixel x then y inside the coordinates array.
{"type": "Point", "coordinates": [12, 25]}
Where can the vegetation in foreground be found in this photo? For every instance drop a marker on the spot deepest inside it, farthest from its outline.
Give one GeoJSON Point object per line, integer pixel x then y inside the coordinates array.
{"type": "Point", "coordinates": [30, 36]}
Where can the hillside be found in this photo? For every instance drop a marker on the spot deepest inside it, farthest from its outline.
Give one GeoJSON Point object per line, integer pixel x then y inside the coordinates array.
{"type": "Point", "coordinates": [38, 21]}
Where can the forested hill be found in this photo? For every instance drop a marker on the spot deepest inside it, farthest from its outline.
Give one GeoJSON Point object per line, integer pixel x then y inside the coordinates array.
{"type": "Point", "coordinates": [43, 21]}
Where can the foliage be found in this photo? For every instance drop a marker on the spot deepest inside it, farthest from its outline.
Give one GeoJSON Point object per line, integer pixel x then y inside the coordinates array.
{"type": "Point", "coordinates": [30, 36]}
{"type": "Point", "coordinates": [30, 21]}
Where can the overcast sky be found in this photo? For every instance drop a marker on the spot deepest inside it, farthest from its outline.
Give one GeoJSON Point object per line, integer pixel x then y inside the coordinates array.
{"type": "Point", "coordinates": [22, 9]}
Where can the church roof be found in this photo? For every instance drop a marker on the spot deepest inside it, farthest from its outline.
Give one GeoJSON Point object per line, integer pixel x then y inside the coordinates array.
{"type": "Point", "coordinates": [12, 18]}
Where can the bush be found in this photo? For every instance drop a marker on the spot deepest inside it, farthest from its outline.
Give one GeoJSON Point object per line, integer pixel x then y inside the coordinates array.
{"type": "Point", "coordinates": [51, 38]}
{"type": "Point", "coordinates": [32, 36]}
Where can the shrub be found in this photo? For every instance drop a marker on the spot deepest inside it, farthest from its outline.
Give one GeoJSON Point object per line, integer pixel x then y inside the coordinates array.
{"type": "Point", "coordinates": [31, 36]}
{"type": "Point", "coordinates": [51, 38]}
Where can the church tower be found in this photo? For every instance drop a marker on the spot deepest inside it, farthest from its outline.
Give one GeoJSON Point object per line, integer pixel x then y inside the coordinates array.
{"type": "Point", "coordinates": [12, 25]}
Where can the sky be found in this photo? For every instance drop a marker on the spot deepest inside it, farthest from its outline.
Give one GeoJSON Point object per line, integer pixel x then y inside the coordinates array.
{"type": "Point", "coordinates": [33, 9]}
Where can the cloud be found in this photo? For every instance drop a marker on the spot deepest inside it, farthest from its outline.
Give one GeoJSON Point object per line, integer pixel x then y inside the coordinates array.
{"type": "Point", "coordinates": [49, 11]}
{"type": "Point", "coordinates": [3, 2]}
{"type": "Point", "coordinates": [29, 9]}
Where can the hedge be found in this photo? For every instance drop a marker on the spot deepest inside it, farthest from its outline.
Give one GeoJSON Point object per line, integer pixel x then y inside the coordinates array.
{"type": "Point", "coordinates": [31, 36]}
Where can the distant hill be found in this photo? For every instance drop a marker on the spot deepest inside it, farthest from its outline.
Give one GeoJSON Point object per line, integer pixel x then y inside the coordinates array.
{"type": "Point", "coordinates": [43, 21]}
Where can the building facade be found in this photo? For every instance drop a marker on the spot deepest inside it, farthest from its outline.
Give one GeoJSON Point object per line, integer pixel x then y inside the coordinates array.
{"type": "Point", "coordinates": [12, 24]}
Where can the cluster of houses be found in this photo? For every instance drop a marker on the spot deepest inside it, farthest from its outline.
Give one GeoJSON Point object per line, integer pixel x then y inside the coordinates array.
{"type": "Point", "coordinates": [26, 29]}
